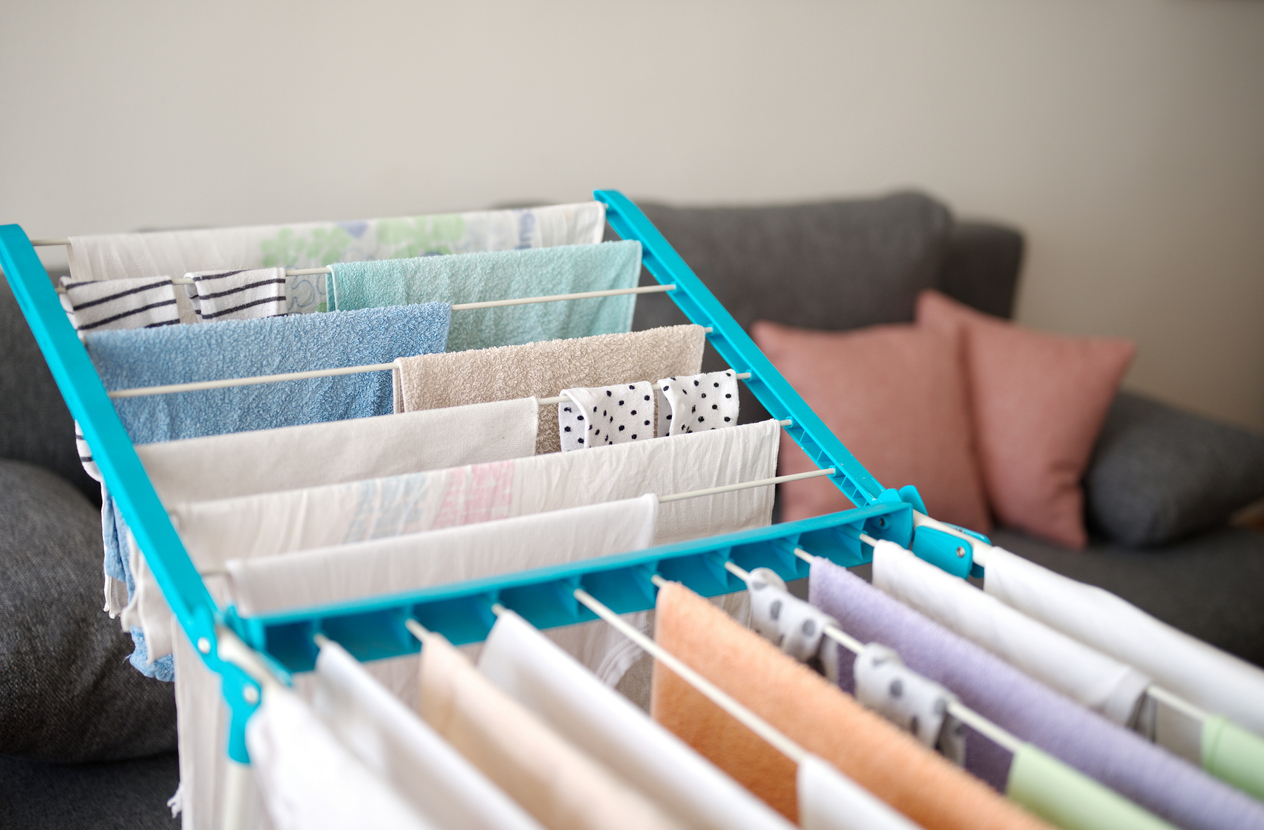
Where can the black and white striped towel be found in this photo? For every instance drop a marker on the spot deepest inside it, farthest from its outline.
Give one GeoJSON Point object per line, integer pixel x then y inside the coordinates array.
{"type": "Point", "coordinates": [238, 295]}
{"type": "Point", "coordinates": [116, 304]}
{"type": "Point", "coordinates": [95, 305]}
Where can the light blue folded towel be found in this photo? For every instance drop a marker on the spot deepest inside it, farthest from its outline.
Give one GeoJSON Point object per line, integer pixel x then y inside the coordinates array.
{"type": "Point", "coordinates": [502, 275]}
{"type": "Point", "coordinates": [274, 345]}
{"type": "Point", "coordinates": [246, 348]}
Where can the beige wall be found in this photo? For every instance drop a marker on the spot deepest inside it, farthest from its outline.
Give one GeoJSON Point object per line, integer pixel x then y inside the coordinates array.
{"type": "Point", "coordinates": [1126, 137]}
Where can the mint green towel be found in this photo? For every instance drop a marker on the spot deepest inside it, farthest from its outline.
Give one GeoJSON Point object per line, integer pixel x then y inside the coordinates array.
{"type": "Point", "coordinates": [1068, 799]}
{"type": "Point", "coordinates": [1233, 755]}
{"type": "Point", "coordinates": [502, 275]}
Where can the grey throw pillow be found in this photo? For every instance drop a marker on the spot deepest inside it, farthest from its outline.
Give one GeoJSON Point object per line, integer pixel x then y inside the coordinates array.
{"type": "Point", "coordinates": [67, 692]}
{"type": "Point", "coordinates": [1159, 473]}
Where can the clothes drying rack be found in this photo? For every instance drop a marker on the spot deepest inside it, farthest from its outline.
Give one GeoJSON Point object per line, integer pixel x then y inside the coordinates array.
{"type": "Point", "coordinates": [378, 627]}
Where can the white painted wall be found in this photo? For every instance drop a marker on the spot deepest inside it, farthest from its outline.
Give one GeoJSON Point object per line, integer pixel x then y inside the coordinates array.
{"type": "Point", "coordinates": [1126, 137]}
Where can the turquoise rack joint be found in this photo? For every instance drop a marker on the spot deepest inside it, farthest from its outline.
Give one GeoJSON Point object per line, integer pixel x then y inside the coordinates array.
{"type": "Point", "coordinates": [373, 628]}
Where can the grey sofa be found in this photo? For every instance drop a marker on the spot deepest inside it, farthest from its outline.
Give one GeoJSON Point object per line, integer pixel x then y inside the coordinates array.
{"type": "Point", "coordinates": [85, 741]}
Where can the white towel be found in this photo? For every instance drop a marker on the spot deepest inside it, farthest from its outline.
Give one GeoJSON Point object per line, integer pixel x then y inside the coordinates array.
{"type": "Point", "coordinates": [402, 751]}
{"type": "Point", "coordinates": [605, 725]}
{"type": "Point", "coordinates": [1089, 677]}
{"type": "Point", "coordinates": [316, 244]}
{"type": "Point", "coordinates": [242, 294]}
{"type": "Point", "coordinates": [271, 523]}
{"type": "Point", "coordinates": [828, 800]}
{"type": "Point", "coordinates": [1203, 675]}
{"type": "Point", "coordinates": [249, 463]}
{"type": "Point", "coordinates": [605, 415]}
{"type": "Point", "coordinates": [405, 563]}
{"type": "Point", "coordinates": [310, 781]}
{"type": "Point", "coordinates": [694, 403]}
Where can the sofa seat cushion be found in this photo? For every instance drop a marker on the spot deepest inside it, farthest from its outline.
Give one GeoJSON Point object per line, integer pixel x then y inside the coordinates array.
{"type": "Point", "coordinates": [67, 692]}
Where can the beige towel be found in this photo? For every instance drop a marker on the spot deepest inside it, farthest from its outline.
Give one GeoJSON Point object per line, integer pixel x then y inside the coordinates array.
{"type": "Point", "coordinates": [544, 369]}
{"type": "Point", "coordinates": [563, 788]}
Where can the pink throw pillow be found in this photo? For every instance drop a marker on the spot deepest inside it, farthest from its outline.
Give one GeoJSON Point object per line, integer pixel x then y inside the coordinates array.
{"type": "Point", "coordinates": [895, 396]}
{"type": "Point", "coordinates": [1038, 402]}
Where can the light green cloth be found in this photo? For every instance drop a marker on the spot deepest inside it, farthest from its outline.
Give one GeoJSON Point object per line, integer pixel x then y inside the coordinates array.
{"type": "Point", "coordinates": [503, 275]}
{"type": "Point", "coordinates": [1065, 798]}
{"type": "Point", "coordinates": [1233, 755]}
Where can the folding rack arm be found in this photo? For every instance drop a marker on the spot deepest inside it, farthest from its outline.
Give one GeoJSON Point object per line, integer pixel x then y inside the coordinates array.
{"type": "Point", "coordinates": [741, 353]}
{"type": "Point", "coordinates": [114, 454]}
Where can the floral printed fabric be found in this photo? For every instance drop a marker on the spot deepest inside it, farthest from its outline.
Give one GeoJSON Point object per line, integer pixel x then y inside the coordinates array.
{"type": "Point", "coordinates": [697, 403]}
{"type": "Point", "coordinates": [606, 415]}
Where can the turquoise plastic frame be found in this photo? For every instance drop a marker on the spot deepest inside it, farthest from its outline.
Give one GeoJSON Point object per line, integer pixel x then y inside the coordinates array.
{"type": "Point", "coordinates": [373, 628]}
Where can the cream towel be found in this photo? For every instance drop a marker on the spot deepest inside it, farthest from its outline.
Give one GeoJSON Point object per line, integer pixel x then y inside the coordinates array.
{"type": "Point", "coordinates": [248, 463]}
{"type": "Point", "coordinates": [562, 787]}
{"type": "Point", "coordinates": [545, 369]}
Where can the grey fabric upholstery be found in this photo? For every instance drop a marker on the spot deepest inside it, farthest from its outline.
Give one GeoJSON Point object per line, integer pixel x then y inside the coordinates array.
{"type": "Point", "coordinates": [123, 795]}
{"type": "Point", "coordinates": [37, 425]}
{"type": "Point", "coordinates": [982, 267]}
{"type": "Point", "coordinates": [1159, 473]}
{"type": "Point", "coordinates": [1209, 586]}
{"type": "Point", "coordinates": [67, 692]}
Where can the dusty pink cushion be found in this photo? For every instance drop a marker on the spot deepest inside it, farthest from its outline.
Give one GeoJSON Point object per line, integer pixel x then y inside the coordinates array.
{"type": "Point", "coordinates": [895, 396]}
{"type": "Point", "coordinates": [1038, 402]}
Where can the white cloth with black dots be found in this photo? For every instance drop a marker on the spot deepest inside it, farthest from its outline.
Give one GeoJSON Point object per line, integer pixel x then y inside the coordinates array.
{"type": "Point", "coordinates": [697, 403]}
{"type": "Point", "coordinates": [597, 417]}
{"type": "Point", "coordinates": [791, 624]}
{"type": "Point", "coordinates": [912, 702]}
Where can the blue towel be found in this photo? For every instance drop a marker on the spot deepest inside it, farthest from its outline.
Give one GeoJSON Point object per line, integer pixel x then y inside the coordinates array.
{"type": "Point", "coordinates": [243, 348]}
{"type": "Point", "coordinates": [503, 275]}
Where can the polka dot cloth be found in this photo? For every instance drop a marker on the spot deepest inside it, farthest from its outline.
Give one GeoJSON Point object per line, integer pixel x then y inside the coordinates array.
{"type": "Point", "coordinates": [791, 624]}
{"type": "Point", "coordinates": [606, 415]}
{"type": "Point", "coordinates": [910, 701]}
{"type": "Point", "coordinates": [697, 403]}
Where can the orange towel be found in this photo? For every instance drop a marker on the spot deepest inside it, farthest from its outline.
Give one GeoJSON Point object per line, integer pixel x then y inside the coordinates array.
{"type": "Point", "coordinates": [811, 712]}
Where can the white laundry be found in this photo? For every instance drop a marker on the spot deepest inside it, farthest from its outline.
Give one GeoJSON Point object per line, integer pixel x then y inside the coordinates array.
{"type": "Point", "coordinates": [791, 624]}
{"type": "Point", "coordinates": [1099, 682]}
{"type": "Point", "coordinates": [697, 402]}
{"type": "Point", "coordinates": [240, 294]}
{"type": "Point", "coordinates": [249, 463]}
{"type": "Point", "coordinates": [828, 800]}
{"type": "Point", "coordinates": [915, 704]}
{"type": "Point", "coordinates": [605, 725]}
{"type": "Point", "coordinates": [1206, 676]}
{"type": "Point", "coordinates": [601, 416]}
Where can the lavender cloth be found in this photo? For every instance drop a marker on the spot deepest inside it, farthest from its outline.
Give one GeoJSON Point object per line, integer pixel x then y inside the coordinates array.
{"type": "Point", "coordinates": [1119, 759]}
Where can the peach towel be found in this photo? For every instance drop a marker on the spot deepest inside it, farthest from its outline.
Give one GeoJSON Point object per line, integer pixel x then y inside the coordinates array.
{"type": "Point", "coordinates": [810, 711]}
{"type": "Point", "coordinates": [562, 787]}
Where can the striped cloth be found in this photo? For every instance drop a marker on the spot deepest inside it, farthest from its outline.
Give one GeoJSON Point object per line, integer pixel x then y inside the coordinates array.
{"type": "Point", "coordinates": [120, 304]}
{"type": "Point", "coordinates": [244, 294]}
{"type": "Point", "coordinates": [96, 305]}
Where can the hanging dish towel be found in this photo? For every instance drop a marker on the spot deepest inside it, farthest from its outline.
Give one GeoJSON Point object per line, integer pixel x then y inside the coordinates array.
{"type": "Point", "coordinates": [695, 403]}
{"type": "Point", "coordinates": [311, 455]}
{"type": "Point", "coordinates": [522, 662]}
{"type": "Point", "coordinates": [404, 753]}
{"type": "Point", "coordinates": [808, 710]}
{"type": "Point", "coordinates": [1120, 759]}
{"type": "Point", "coordinates": [1077, 671]}
{"type": "Point", "coordinates": [605, 415]}
{"type": "Point", "coordinates": [237, 295]}
{"type": "Point", "coordinates": [544, 369]}
{"type": "Point", "coordinates": [317, 244]}
{"type": "Point", "coordinates": [1202, 674]}
{"type": "Point", "coordinates": [286, 458]}
{"type": "Point", "coordinates": [455, 554]}
{"type": "Point", "coordinates": [270, 523]}
{"type": "Point", "coordinates": [120, 304]}
{"type": "Point", "coordinates": [309, 781]}
{"type": "Point", "coordinates": [561, 786]}
{"type": "Point", "coordinates": [502, 275]}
